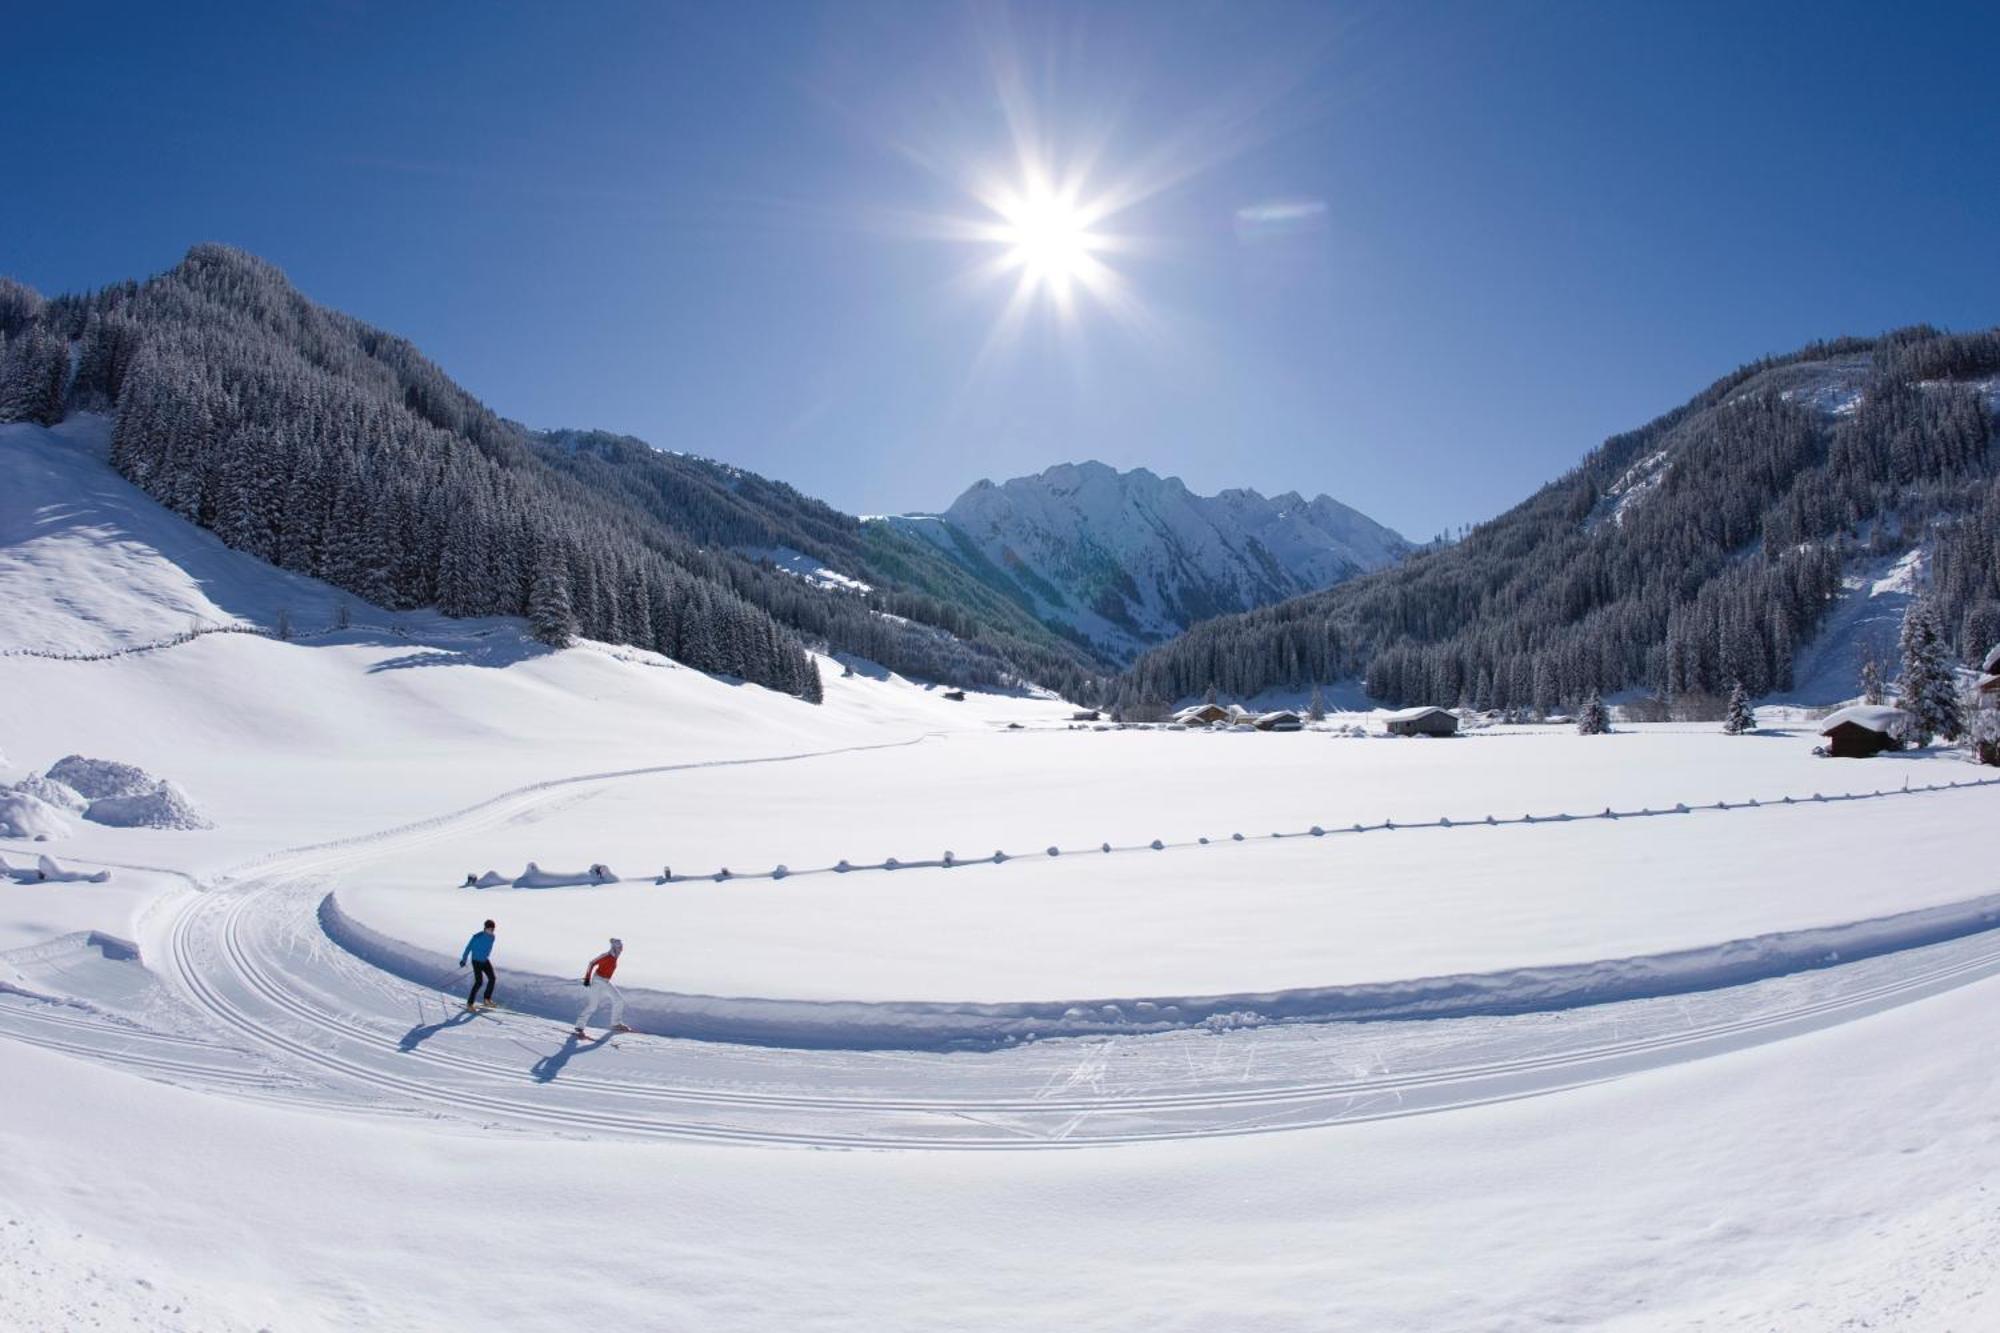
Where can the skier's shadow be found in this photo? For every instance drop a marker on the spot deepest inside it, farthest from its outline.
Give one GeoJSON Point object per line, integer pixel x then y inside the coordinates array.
{"type": "Point", "coordinates": [549, 1066]}
{"type": "Point", "coordinates": [423, 1032]}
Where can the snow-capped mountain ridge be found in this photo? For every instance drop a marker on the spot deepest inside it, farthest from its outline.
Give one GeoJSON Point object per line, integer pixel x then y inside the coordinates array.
{"type": "Point", "coordinates": [1130, 558]}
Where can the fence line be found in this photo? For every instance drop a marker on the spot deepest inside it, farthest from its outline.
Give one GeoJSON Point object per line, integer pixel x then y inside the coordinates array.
{"type": "Point", "coordinates": [952, 861]}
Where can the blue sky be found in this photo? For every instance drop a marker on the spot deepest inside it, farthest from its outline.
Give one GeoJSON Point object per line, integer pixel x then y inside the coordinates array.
{"type": "Point", "coordinates": [1507, 231]}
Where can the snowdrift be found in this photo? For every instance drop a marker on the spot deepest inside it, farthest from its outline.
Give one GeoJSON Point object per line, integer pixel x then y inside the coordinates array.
{"type": "Point", "coordinates": [534, 877]}
{"type": "Point", "coordinates": [48, 871]}
{"type": "Point", "coordinates": [60, 795]}
{"type": "Point", "coordinates": [102, 791]}
{"type": "Point", "coordinates": [876, 1025]}
{"type": "Point", "coordinates": [164, 807]}
{"type": "Point", "coordinates": [99, 779]}
{"type": "Point", "coordinates": [25, 815]}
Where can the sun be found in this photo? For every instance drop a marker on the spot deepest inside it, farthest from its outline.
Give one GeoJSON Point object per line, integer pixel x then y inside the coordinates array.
{"type": "Point", "coordinates": [1047, 236]}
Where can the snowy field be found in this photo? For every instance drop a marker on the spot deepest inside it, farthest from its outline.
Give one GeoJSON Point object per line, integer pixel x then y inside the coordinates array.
{"type": "Point", "coordinates": [1190, 919]}
{"type": "Point", "coordinates": [218, 1117]}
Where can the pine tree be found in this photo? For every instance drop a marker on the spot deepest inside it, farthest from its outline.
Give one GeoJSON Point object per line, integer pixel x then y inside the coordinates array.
{"type": "Point", "coordinates": [1742, 717]}
{"type": "Point", "coordinates": [550, 618]}
{"type": "Point", "coordinates": [1595, 719]}
{"type": "Point", "coordinates": [1871, 681]}
{"type": "Point", "coordinates": [1927, 690]}
{"type": "Point", "coordinates": [1316, 706]}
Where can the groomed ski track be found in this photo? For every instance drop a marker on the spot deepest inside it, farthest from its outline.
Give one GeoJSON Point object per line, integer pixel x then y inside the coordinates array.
{"type": "Point", "coordinates": [250, 998]}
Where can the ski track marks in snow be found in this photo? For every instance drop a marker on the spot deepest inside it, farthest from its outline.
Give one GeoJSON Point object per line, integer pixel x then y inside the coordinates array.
{"type": "Point", "coordinates": [306, 1021]}
{"type": "Point", "coordinates": [255, 1000]}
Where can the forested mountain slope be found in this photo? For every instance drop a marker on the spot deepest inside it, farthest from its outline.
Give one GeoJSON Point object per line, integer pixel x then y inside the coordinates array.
{"type": "Point", "coordinates": [1127, 559]}
{"type": "Point", "coordinates": [1698, 550]}
{"type": "Point", "coordinates": [324, 446]}
{"type": "Point", "coordinates": [873, 578]}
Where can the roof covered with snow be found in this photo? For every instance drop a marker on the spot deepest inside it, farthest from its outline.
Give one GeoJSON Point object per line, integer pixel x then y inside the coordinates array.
{"type": "Point", "coordinates": [1991, 666]}
{"type": "Point", "coordinates": [1874, 717]}
{"type": "Point", "coordinates": [1415, 714]}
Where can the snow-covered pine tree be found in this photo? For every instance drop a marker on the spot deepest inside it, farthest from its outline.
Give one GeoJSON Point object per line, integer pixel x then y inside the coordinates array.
{"type": "Point", "coordinates": [1928, 691]}
{"type": "Point", "coordinates": [1208, 695]}
{"type": "Point", "coordinates": [1871, 681]}
{"type": "Point", "coordinates": [1316, 706]}
{"type": "Point", "coordinates": [1742, 717]}
{"type": "Point", "coordinates": [1595, 718]}
{"type": "Point", "coordinates": [550, 618]}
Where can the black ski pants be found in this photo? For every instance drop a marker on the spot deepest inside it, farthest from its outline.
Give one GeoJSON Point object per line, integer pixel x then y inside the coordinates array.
{"type": "Point", "coordinates": [480, 968]}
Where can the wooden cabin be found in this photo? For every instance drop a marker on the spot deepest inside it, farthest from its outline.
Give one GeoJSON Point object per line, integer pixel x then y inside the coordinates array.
{"type": "Point", "coordinates": [1202, 715]}
{"type": "Point", "coordinates": [1425, 721]}
{"type": "Point", "coordinates": [1282, 719]}
{"type": "Point", "coordinates": [1863, 730]}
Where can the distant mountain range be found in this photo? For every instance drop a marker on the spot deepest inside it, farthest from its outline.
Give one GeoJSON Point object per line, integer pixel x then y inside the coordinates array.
{"type": "Point", "coordinates": [1129, 559]}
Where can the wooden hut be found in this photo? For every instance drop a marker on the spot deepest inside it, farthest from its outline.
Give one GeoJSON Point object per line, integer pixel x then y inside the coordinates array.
{"type": "Point", "coordinates": [1863, 730]}
{"type": "Point", "coordinates": [1422, 722]}
{"type": "Point", "coordinates": [1986, 725]}
{"type": "Point", "coordinates": [1283, 719]}
{"type": "Point", "coordinates": [1202, 715]}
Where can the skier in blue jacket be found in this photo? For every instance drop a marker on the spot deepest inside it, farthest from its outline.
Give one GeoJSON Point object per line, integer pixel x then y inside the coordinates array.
{"type": "Point", "coordinates": [480, 950]}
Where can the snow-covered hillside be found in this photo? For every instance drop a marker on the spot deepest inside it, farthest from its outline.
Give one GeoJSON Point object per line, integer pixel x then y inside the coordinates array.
{"type": "Point", "coordinates": [1130, 558]}
{"type": "Point", "coordinates": [90, 564]}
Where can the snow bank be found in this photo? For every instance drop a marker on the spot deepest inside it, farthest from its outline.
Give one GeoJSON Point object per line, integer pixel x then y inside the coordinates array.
{"type": "Point", "coordinates": [96, 779]}
{"type": "Point", "coordinates": [24, 815]}
{"type": "Point", "coordinates": [164, 807]}
{"type": "Point", "coordinates": [892, 1025]}
{"type": "Point", "coordinates": [534, 877]}
{"type": "Point", "coordinates": [58, 794]}
{"type": "Point", "coordinates": [48, 871]}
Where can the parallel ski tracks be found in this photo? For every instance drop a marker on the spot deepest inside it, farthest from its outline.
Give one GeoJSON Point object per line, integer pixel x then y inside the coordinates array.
{"type": "Point", "coordinates": [221, 953]}
{"type": "Point", "coordinates": [228, 928]}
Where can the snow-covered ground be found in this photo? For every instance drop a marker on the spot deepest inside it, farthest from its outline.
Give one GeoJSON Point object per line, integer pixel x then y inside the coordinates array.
{"type": "Point", "coordinates": [218, 1116]}
{"type": "Point", "coordinates": [1189, 919]}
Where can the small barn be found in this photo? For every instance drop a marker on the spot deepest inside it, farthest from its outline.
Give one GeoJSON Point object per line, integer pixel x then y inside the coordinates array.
{"type": "Point", "coordinates": [1863, 730]}
{"type": "Point", "coordinates": [1422, 722]}
{"type": "Point", "coordinates": [1202, 715]}
{"type": "Point", "coordinates": [1283, 719]}
{"type": "Point", "coordinates": [1086, 715]}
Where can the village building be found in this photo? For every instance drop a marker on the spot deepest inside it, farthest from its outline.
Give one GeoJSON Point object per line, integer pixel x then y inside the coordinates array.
{"type": "Point", "coordinates": [1863, 730]}
{"type": "Point", "coordinates": [1986, 726]}
{"type": "Point", "coordinates": [1425, 721]}
{"type": "Point", "coordinates": [1282, 719]}
{"type": "Point", "coordinates": [1202, 715]}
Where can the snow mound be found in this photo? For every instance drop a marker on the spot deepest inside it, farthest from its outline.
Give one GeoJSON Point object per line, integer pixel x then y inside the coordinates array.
{"type": "Point", "coordinates": [165, 806]}
{"type": "Point", "coordinates": [23, 815]}
{"type": "Point", "coordinates": [48, 871]}
{"type": "Point", "coordinates": [534, 877]}
{"type": "Point", "coordinates": [492, 879]}
{"type": "Point", "coordinates": [95, 779]}
{"type": "Point", "coordinates": [58, 794]}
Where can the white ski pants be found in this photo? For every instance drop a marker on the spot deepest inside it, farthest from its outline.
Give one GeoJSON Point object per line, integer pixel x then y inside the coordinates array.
{"type": "Point", "coordinates": [599, 989]}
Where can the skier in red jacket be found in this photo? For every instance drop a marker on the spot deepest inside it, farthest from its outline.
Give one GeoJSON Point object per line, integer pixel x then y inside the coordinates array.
{"type": "Point", "coordinates": [599, 971]}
